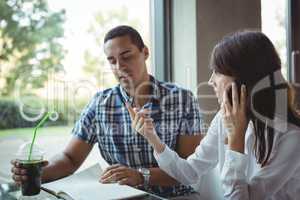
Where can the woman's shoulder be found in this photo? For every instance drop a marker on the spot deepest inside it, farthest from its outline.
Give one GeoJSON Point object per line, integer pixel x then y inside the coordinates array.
{"type": "Point", "coordinates": [284, 127]}
{"type": "Point", "coordinates": [287, 133]}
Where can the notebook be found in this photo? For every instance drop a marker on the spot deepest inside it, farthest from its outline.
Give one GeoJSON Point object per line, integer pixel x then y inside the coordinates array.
{"type": "Point", "coordinates": [85, 185]}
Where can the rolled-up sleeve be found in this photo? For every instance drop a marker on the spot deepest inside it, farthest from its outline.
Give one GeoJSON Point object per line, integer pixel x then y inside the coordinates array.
{"type": "Point", "coordinates": [234, 174]}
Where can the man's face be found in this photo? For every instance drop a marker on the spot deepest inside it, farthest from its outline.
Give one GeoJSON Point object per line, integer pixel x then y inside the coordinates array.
{"type": "Point", "coordinates": [127, 61]}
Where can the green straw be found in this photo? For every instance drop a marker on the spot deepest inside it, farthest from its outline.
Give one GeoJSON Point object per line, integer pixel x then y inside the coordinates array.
{"type": "Point", "coordinates": [34, 134]}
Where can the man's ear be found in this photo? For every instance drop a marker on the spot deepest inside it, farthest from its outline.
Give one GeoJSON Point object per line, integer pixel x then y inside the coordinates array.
{"type": "Point", "coordinates": [146, 52]}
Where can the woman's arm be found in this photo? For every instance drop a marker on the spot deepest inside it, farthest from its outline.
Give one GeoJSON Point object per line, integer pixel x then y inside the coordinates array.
{"type": "Point", "coordinates": [186, 171]}
{"type": "Point", "coordinates": [189, 171]}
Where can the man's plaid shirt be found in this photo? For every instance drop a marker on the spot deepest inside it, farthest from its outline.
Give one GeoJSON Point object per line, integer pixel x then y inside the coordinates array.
{"type": "Point", "coordinates": [106, 121]}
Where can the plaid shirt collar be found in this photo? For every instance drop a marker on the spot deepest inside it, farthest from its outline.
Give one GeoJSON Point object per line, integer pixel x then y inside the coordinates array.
{"type": "Point", "coordinates": [154, 92]}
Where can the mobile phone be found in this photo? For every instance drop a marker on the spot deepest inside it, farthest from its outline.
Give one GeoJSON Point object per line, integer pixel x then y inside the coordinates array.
{"type": "Point", "coordinates": [229, 91]}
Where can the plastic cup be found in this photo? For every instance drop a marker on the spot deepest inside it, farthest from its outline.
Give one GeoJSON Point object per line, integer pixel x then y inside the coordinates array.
{"type": "Point", "coordinates": [31, 186]}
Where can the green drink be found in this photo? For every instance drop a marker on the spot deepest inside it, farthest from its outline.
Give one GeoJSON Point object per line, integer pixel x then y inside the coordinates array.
{"type": "Point", "coordinates": [31, 186]}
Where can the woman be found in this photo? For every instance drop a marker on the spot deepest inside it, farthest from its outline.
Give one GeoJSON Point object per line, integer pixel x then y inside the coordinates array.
{"type": "Point", "coordinates": [255, 138]}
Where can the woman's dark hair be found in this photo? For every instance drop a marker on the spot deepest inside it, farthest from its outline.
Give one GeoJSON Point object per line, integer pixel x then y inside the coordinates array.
{"type": "Point", "coordinates": [250, 57]}
{"type": "Point", "coordinates": [124, 30]}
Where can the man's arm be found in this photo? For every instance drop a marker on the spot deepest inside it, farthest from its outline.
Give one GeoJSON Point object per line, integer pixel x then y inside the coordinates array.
{"type": "Point", "coordinates": [186, 145]}
{"type": "Point", "coordinates": [60, 166]}
{"type": "Point", "coordinates": [68, 161]}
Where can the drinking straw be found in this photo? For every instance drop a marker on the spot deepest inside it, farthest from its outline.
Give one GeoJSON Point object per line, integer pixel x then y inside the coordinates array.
{"type": "Point", "coordinates": [34, 134]}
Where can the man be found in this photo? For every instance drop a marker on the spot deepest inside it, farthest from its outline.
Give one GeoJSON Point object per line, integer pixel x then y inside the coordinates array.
{"type": "Point", "coordinates": [106, 121]}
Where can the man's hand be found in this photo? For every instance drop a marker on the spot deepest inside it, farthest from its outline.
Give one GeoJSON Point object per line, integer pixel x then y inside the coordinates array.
{"type": "Point", "coordinates": [19, 173]}
{"type": "Point", "coordinates": [122, 174]}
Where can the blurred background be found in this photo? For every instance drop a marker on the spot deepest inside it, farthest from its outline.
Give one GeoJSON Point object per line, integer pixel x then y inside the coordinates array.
{"type": "Point", "coordinates": [51, 59]}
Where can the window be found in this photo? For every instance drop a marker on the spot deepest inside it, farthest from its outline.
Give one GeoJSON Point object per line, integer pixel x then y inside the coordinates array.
{"type": "Point", "coordinates": [274, 25]}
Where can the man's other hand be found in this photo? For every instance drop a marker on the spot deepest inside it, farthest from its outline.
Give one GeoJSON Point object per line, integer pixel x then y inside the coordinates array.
{"type": "Point", "coordinates": [121, 174]}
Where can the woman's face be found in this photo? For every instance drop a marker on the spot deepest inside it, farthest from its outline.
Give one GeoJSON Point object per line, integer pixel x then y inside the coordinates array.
{"type": "Point", "coordinates": [220, 83]}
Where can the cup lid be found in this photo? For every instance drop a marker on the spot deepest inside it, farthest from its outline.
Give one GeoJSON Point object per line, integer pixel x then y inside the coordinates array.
{"type": "Point", "coordinates": [24, 150]}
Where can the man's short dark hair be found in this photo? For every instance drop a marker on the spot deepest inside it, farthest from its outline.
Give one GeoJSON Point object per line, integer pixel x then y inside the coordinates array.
{"type": "Point", "coordinates": [124, 30]}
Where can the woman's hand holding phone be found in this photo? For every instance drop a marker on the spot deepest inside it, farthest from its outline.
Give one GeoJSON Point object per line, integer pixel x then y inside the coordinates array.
{"type": "Point", "coordinates": [234, 117]}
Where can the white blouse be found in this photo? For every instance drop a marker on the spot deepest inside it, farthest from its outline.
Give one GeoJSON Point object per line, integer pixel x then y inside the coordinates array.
{"type": "Point", "coordinates": [241, 176]}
